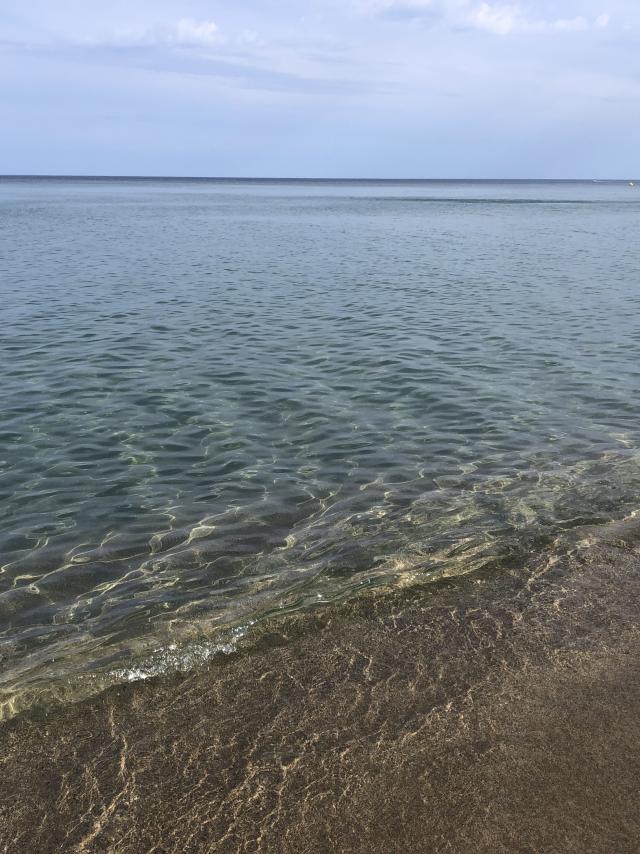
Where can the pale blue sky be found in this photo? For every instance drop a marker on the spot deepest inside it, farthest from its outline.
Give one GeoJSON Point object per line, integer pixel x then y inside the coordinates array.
{"type": "Point", "coordinates": [358, 88]}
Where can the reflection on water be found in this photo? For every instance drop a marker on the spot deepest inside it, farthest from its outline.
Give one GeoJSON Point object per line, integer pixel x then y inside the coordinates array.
{"type": "Point", "coordinates": [223, 399]}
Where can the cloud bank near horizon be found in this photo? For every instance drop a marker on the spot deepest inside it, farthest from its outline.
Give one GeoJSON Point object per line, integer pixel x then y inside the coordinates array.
{"type": "Point", "coordinates": [385, 88]}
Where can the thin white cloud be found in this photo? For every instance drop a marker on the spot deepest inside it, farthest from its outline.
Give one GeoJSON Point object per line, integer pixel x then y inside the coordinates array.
{"type": "Point", "coordinates": [186, 32]}
{"type": "Point", "coordinates": [505, 20]}
{"type": "Point", "coordinates": [197, 33]}
{"type": "Point", "coordinates": [492, 17]}
{"type": "Point", "coordinates": [495, 19]}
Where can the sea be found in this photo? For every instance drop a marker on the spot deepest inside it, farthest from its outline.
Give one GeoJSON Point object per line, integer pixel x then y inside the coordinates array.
{"type": "Point", "coordinates": [223, 401]}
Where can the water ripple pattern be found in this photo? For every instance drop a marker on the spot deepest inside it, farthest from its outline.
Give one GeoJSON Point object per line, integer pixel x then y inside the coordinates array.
{"type": "Point", "coordinates": [224, 398]}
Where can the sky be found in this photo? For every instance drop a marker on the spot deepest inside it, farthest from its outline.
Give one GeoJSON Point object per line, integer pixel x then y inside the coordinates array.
{"type": "Point", "coordinates": [351, 88]}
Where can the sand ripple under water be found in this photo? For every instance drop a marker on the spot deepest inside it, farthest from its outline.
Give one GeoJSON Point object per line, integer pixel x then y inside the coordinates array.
{"type": "Point", "coordinates": [492, 714]}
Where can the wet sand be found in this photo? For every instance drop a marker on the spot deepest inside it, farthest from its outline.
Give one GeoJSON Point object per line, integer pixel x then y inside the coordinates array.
{"type": "Point", "coordinates": [486, 715]}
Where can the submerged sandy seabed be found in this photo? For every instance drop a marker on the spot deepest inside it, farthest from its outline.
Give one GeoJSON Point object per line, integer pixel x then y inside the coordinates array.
{"type": "Point", "coordinates": [488, 715]}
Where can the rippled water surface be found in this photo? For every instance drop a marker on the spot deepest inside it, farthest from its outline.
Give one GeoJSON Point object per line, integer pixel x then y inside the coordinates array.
{"type": "Point", "coordinates": [221, 399]}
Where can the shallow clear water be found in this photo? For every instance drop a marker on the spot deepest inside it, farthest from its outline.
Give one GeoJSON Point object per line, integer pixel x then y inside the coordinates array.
{"type": "Point", "coordinates": [221, 399]}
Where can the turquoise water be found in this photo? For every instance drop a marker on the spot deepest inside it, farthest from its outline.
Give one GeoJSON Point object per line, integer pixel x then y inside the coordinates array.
{"type": "Point", "coordinates": [222, 399]}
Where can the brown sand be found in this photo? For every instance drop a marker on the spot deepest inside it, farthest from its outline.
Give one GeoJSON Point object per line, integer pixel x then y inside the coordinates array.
{"type": "Point", "coordinates": [493, 716]}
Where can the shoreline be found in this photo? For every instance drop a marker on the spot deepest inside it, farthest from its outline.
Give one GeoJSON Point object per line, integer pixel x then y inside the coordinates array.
{"type": "Point", "coordinates": [495, 714]}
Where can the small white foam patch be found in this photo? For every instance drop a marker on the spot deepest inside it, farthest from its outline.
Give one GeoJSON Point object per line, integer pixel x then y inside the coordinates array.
{"type": "Point", "coordinates": [173, 659]}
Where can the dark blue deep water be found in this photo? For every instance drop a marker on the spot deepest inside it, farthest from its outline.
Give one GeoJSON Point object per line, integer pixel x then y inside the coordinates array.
{"type": "Point", "coordinates": [224, 399]}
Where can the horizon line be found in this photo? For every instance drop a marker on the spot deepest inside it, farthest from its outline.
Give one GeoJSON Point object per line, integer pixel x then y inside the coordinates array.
{"type": "Point", "coordinates": [300, 179]}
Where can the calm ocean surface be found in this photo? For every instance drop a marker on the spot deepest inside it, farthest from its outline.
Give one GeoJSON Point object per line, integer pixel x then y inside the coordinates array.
{"type": "Point", "coordinates": [221, 399]}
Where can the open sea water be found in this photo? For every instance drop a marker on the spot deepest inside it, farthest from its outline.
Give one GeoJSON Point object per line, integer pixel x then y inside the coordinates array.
{"type": "Point", "coordinates": [223, 400]}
